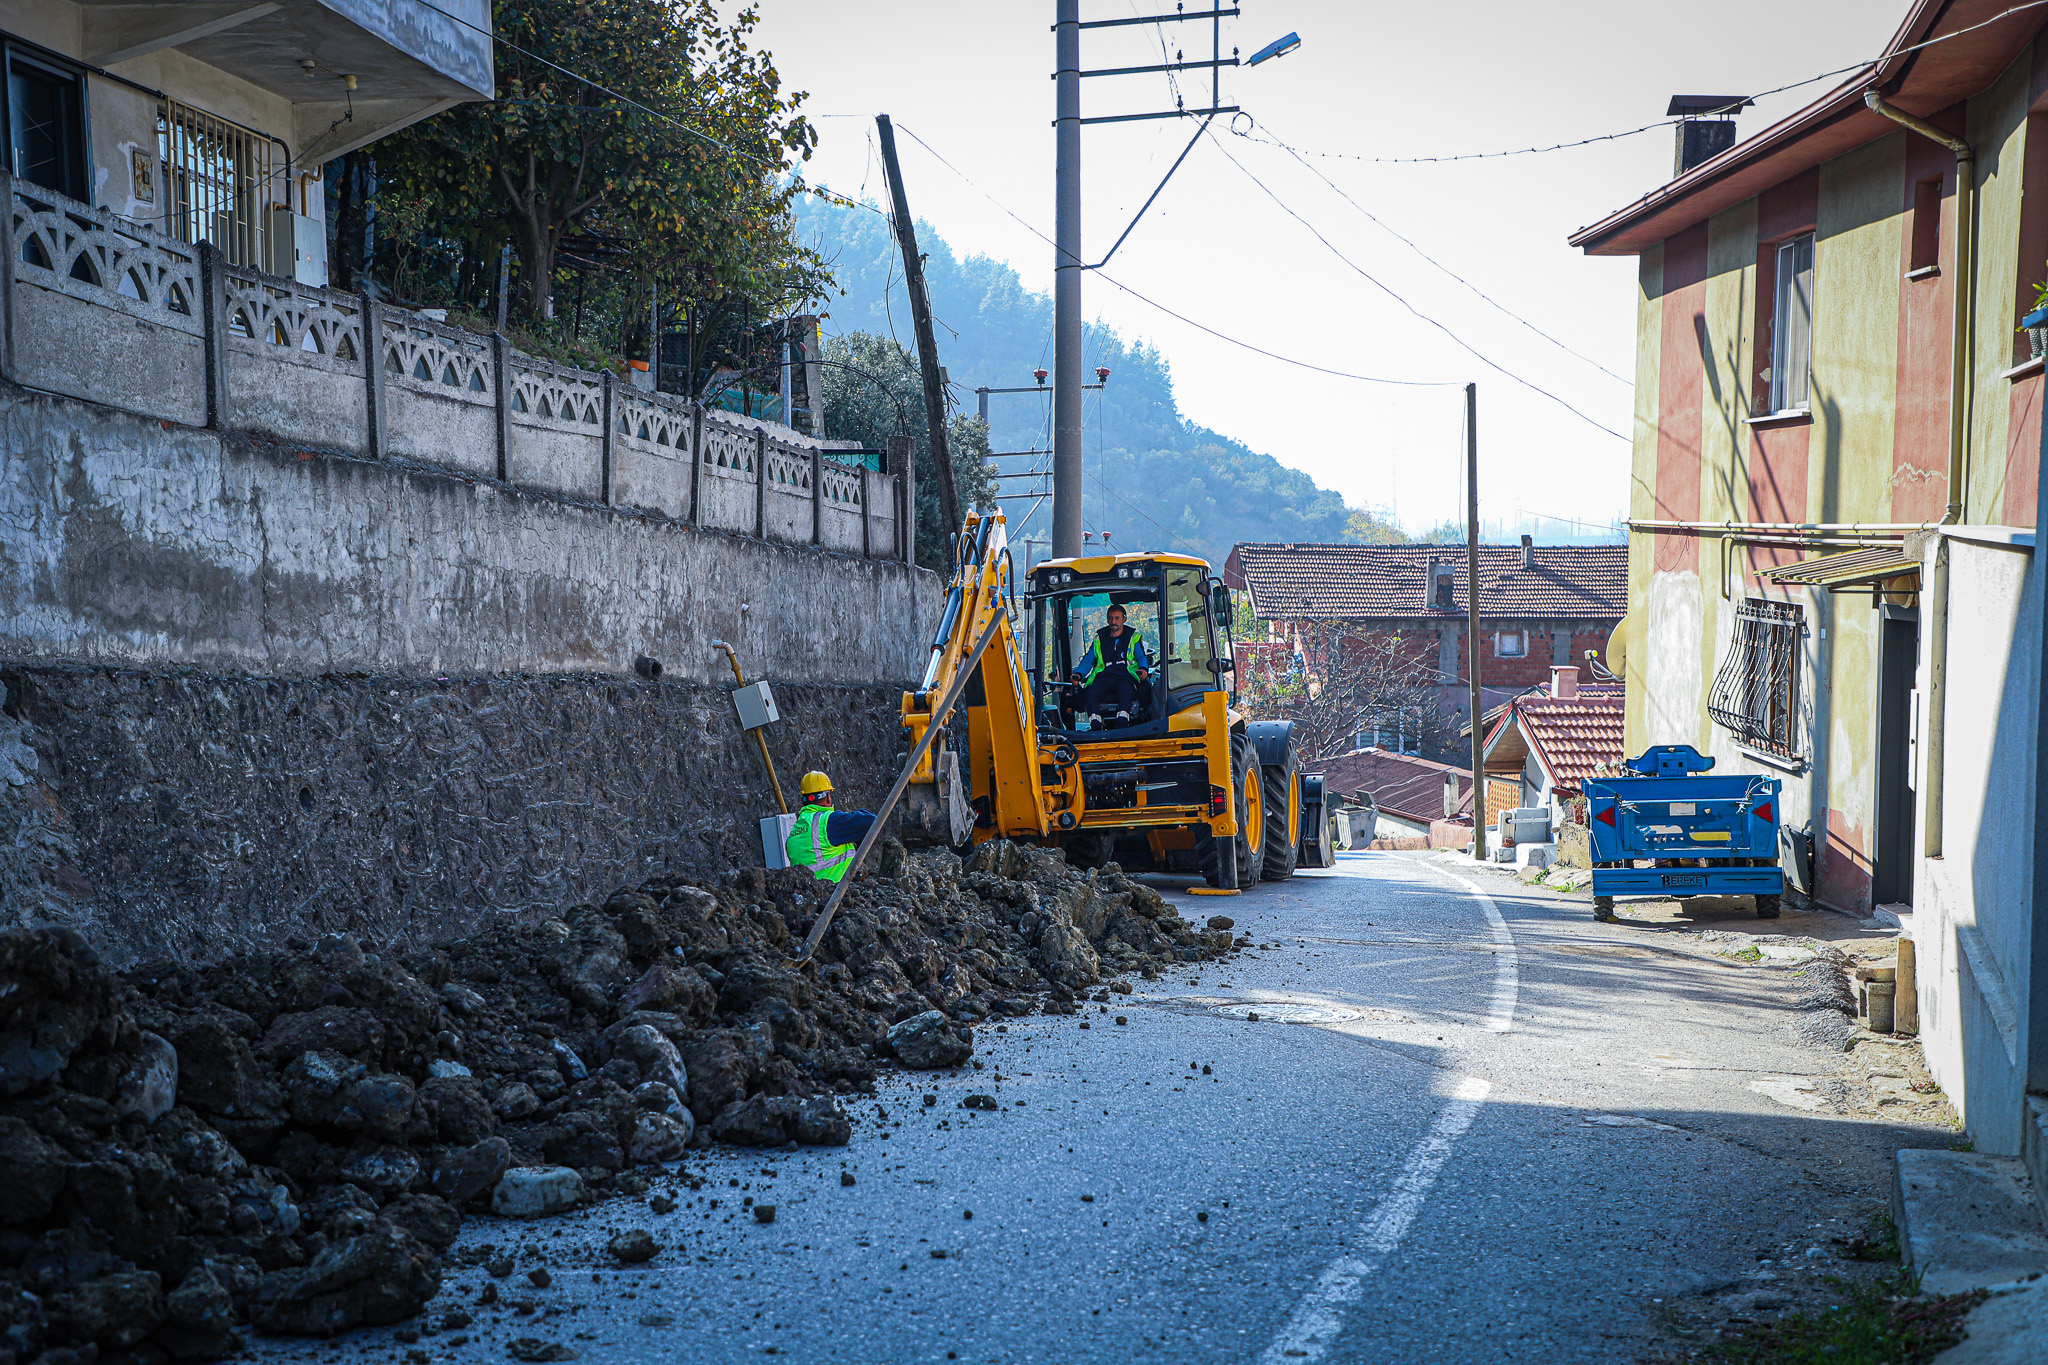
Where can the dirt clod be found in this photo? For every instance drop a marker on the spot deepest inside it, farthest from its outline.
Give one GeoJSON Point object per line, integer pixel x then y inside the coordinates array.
{"type": "Point", "coordinates": [634, 1246]}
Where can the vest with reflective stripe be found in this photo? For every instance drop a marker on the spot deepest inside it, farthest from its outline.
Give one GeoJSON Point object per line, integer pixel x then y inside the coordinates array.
{"type": "Point", "coordinates": [810, 846]}
{"type": "Point", "coordinates": [1108, 653]}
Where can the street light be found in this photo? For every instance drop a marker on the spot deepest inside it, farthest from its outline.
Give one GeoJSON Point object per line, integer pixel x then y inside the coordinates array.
{"type": "Point", "coordinates": [1279, 47]}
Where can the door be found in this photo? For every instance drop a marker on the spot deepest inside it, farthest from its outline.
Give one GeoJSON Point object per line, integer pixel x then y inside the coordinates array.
{"type": "Point", "coordinates": [1898, 660]}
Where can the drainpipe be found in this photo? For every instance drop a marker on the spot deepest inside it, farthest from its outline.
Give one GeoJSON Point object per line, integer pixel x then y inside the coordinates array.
{"type": "Point", "coordinates": [1960, 391]}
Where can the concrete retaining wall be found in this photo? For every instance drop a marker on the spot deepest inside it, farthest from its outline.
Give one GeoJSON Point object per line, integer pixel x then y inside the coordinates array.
{"type": "Point", "coordinates": [134, 544]}
{"type": "Point", "coordinates": [191, 816]}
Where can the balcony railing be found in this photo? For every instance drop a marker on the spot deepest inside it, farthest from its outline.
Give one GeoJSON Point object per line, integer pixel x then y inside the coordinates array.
{"type": "Point", "coordinates": [96, 308]}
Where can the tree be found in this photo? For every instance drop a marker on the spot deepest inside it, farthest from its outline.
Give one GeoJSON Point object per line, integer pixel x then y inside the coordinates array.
{"type": "Point", "coordinates": [679, 157]}
{"type": "Point", "coordinates": [873, 390]}
{"type": "Point", "coordinates": [1348, 684]}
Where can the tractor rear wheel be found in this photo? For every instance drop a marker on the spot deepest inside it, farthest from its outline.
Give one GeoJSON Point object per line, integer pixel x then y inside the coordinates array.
{"type": "Point", "coordinates": [1282, 791]}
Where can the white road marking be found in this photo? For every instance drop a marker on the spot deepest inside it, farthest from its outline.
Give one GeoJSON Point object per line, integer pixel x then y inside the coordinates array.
{"type": "Point", "coordinates": [1507, 963]}
{"type": "Point", "coordinates": [1318, 1319]}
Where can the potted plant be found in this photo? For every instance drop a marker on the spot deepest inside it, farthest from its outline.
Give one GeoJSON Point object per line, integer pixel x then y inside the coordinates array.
{"type": "Point", "coordinates": [2035, 324]}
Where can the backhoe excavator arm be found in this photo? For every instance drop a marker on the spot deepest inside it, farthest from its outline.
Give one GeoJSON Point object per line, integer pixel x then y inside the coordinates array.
{"type": "Point", "coordinates": [993, 789]}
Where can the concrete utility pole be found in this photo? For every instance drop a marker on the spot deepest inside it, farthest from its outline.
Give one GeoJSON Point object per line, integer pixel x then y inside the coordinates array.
{"type": "Point", "coordinates": [927, 342]}
{"type": "Point", "coordinates": [1066, 290]}
{"type": "Point", "coordinates": [1472, 619]}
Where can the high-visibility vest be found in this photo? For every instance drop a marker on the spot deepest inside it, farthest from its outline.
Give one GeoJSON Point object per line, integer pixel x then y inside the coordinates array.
{"type": "Point", "coordinates": [1101, 650]}
{"type": "Point", "coordinates": [810, 846]}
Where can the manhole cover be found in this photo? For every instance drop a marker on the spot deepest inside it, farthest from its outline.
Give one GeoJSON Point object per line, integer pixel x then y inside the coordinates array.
{"type": "Point", "coordinates": [1283, 1013]}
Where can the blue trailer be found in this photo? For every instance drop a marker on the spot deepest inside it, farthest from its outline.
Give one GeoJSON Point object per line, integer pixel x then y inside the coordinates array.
{"type": "Point", "coordinates": [1701, 836]}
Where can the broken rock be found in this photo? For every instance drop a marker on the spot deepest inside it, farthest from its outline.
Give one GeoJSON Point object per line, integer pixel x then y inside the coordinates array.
{"type": "Point", "coordinates": [634, 1246]}
{"type": "Point", "coordinates": [772, 1120]}
{"type": "Point", "coordinates": [382, 1276]}
{"type": "Point", "coordinates": [467, 1172]}
{"type": "Point", "coordinates": [536, 1191]}
{"type": "Point", "coordinates": [929, 1041]}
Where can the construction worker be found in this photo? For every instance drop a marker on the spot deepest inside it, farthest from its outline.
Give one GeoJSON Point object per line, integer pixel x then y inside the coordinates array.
{"type": "Point", "coordinates": [824, 839]}
{"type": "Point", "coordinates": [1116, 662]}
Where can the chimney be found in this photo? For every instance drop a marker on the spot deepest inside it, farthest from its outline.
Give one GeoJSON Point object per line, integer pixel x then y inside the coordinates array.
{"type": "Point", "coordinates": [1528, 552]}
{"type": "Point", "coordinates": [1443, 585]}
{"type": "Point", "coordinates": [1564, 681]}
{"type": "Point", "coordinates": [1706, 127]}
{"type": "Point", "coordinates": [1450, 795]}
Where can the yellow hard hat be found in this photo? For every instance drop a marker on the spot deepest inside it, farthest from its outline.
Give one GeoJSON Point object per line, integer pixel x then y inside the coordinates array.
{"type": "Point", "coordinates": [815, 782]}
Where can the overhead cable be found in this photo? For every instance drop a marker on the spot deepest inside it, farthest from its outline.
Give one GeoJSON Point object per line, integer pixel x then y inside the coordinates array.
{"type": "Point", "coordinates": [1660, 123]}
{"type": "Point", "coordinates": [1154, 303]}
{"type": "Point", "coordinates": [1464, 345]}
{"type": "Point", "coordinates": [1380, 223]}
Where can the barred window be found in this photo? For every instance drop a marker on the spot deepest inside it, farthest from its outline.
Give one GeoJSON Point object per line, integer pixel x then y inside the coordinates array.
{"type": "Point", "coordinates": [217, 179]}
{"type": "Point", "coordinates": [1756, 692]}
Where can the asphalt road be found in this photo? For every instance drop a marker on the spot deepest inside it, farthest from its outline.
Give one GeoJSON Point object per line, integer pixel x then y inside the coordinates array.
{"type": "Point", "coordinates": [1468, 1125]}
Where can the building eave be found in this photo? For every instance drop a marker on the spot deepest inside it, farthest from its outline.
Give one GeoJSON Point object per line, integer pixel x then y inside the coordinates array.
{"type": "Point", "coordinates": [1922, 81]}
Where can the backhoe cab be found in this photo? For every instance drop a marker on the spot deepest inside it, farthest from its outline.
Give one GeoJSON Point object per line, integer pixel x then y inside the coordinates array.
{"type": "Point", "coordinates": [1182, 783]}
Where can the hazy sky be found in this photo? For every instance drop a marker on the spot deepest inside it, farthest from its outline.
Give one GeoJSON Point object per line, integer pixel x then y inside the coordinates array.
{"type": "Point", "coordinates": [1369, 80]}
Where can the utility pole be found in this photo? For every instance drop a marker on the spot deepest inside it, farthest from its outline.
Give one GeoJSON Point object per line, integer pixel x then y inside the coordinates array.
{"type": "Point", "coordinates": [1066, 289]}
{"type": "Point", "coordinates": [1472, 619]}
{"type": "Point", "coordinates": [927, 342]}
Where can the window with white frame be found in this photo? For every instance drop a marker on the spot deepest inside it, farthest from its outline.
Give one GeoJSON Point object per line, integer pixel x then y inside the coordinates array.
{"type": "Point", "coordinates": [1792, 326]}
{"type": "Point", "coordinates": [1510, 644]}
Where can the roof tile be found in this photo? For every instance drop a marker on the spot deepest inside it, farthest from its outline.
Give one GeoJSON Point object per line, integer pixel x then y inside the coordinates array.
{"type": "Point", "coordinates": [1575, 738]}
{"type": "Point", "coordinates": [1290, 581]}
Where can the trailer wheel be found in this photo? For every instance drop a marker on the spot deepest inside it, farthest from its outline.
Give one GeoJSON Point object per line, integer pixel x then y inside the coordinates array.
{"type": "Point", "coordinates": [1282, 782]}
{"type": "Point", "coordinates": [1767, 907]}
{"type": "Point", "coordinates": [1603, 909]}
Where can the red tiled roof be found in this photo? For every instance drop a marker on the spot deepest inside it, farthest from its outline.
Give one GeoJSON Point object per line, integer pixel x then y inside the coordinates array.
{"type": "Point", "coordinates": [1400, 784]}
{"type": "Point", "coordinates": [1363, 582]}
{"type": "Point", "coordinates": [1574, 739]}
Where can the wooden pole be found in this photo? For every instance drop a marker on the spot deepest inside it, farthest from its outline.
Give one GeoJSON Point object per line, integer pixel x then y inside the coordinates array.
{"type": "Point", "coordinates": [927, 342]}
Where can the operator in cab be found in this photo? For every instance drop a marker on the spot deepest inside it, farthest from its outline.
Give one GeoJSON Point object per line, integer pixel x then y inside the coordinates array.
{"type": "Point", "coordinates": [1116, 662]}
{"type": "Point", "coordinates": [823, 839]}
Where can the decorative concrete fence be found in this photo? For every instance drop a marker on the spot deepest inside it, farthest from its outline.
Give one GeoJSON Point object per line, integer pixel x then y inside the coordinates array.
{"type": "Point", "coordinates": [97, 308]}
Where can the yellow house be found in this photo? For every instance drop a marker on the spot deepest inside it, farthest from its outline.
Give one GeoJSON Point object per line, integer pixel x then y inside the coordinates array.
{"type": "Point", "coordinates": [1836, 468]}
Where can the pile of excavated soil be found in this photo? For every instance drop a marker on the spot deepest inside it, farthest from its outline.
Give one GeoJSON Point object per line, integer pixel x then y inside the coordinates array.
{"type": "Point", "coordinates": [289, 1140]}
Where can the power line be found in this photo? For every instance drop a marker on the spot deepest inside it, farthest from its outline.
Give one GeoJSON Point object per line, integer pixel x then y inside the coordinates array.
{"type": "Point", "coordinates": [1661, 123]}
{"type": "Point", "coordinates": [1180, 317]}
{"type": "Point", "coordinates": [1471, 350]}
{"type": "Point", "coordinates": [1379, 223]}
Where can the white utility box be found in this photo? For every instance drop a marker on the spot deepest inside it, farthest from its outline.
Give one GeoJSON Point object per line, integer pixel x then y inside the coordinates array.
{"type": "Point", "coordinates": [775, 840]}
{"type": "Point", "coordinates": [756, 705]}
{"type": "Point", "coordinates": [296, 246]}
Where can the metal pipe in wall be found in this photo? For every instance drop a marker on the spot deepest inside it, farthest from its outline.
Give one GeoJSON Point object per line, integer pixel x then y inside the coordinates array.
{"type": "Point", "coordinates": [1961, 389]}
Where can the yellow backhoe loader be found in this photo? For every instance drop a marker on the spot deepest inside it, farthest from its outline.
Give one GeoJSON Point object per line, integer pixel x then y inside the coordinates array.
{"type": "Point", "coordinates": [1180, 781]}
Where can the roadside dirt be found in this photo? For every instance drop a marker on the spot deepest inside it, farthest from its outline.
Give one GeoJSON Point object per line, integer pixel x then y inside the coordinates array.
{"type": "Point", "coordinates": [289, 1140]}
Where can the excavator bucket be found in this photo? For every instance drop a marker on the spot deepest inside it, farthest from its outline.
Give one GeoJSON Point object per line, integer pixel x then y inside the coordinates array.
{"type": "Point", "coordinates": [938, 813]}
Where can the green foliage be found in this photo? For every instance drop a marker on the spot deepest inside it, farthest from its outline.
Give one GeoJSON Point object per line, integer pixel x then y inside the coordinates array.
{"type": "Point", "coordinates": [1882, 1323]}
{"type": "Point", "coordinates": [1152, 478]}
{"type": "Point", "coordinates": [703, 212]}
{"type": "Point", "coordinates": [872, 390]}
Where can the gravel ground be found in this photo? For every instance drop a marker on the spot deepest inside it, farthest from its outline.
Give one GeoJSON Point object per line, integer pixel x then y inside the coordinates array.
{"type": "Point", "coordinates": [1443, 1137]}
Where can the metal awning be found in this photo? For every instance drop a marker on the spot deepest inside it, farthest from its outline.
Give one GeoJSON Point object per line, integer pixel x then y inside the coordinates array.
{"type": "Point", "coordinates": [1851, 568]}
